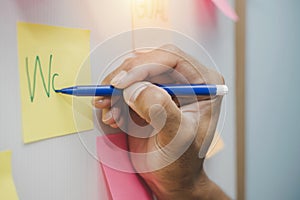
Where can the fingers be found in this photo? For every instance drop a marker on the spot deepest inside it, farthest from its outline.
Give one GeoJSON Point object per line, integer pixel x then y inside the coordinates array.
{"type": "Point", "coordinates": [155, 106]}
{"type": "Point", "coordinates": [168, 63]}
{"type": "Point", "coordinates": [137, 74]}
{"type": "Point", "coordinates": [152, 63]}
{"type": "Point", "coordinates": [112, 117]}
{"type": "Point", "coordinates": [111, 112]}
{"type": "Point", "coordinates": [101, 102]}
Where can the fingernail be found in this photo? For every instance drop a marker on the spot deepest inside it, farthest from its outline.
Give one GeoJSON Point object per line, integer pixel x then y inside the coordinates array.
{"type": "Point", "coordinates": [118, 78]}
{"type": "Point", "coordinates": [114, 125]}
{"type": "Point", "coordinates": [97, 102]}
{"type": "Point", "coordinates": [107, 116]}
{"type": "Point", "coordinates": [132, 92]}
{"type": "Point", "coordinates": [100, 101]}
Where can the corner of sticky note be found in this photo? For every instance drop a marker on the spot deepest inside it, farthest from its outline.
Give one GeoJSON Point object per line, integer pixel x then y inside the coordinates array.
{"type": "Point", "coordinates": [217, 145]}
{"type": "Point", "coordinates": [121, 185]}
{"type": "Point", "coordinates": [7, 186]}
{"type": "Point", "coordinates": [52, 57]}
{"type": "Point", "coordinates": [225, 7]}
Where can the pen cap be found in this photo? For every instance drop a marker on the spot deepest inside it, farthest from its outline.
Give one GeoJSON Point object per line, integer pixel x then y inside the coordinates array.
{"type": "Point", "coordinates": [222, 89]}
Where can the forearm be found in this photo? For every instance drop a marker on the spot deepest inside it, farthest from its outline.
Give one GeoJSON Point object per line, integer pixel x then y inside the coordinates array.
{"type": "Point", "coordinates": [204, 189]}
{"type": "Point", "coordinates": [211, 192]}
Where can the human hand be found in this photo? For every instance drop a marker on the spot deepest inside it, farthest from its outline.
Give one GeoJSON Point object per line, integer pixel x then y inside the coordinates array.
{"type": "Point", "coordinates": [168, 137]}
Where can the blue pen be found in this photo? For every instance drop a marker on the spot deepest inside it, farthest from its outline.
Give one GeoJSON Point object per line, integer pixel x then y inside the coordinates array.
{"type": "Point", "coordinates": [172, 89]}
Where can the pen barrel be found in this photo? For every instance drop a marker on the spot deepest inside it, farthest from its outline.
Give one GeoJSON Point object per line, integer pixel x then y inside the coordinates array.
{"type": "Point", "coordinates": [98, 90]}
{"type": "Point", "coordinates": [173, 90]}
{"type": "Point", "coordinates": [189, 90]}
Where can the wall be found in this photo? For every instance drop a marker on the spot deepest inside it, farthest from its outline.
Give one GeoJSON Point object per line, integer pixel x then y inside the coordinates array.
{"type": "Point", "coordinates": [272, 100]}
{"type": "Point", "coordinates": [60, 168]}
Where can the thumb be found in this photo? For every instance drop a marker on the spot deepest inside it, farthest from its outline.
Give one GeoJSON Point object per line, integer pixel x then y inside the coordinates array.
{"type": "Point", "coordinates": [154, 105]}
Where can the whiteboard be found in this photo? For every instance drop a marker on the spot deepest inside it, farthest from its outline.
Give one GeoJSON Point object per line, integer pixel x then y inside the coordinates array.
{"type": "Point", "coordinates": [60, 168]}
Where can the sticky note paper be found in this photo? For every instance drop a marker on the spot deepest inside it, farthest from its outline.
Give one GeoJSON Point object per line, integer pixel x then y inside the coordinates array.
{"type": "Point", "coordinates": [224, 6]}
{"type": "Point", "coordinates": [7, 186]}
{"type": "Point", "coordinates": [150, 13]}
{"type": "Point", "coordinates": [50, 58]}
{"type": "Point", "coordinates": [121, 184]}
{"type": "Point", "coordinates": [146, 15]}
{"type": "Point", "coordinates": [216, 146]}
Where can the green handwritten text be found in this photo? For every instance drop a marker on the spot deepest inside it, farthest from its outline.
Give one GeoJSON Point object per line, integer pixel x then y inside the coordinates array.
{"type": "Point", "coordinates": [46, 84]}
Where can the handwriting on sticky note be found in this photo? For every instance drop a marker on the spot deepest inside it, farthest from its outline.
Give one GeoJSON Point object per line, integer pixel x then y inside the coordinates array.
{"type": "Point", "coordinates": [151, 9]}
{"type": "Point", "coordinates": [7, 186]}
{"type": "Point", "coordinates": [50, 57]}
{"type": "Point", "coordinates": [46, 83]}
{"type": "Point", "coordinates": [150, 13]}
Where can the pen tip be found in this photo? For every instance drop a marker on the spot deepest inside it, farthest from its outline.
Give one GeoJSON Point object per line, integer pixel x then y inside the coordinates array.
{"type": "Point", "coordinates": [57, 91]}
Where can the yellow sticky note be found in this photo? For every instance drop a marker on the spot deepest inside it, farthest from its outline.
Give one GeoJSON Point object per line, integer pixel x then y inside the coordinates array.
{"type": "Point", "coordinates": [7, 186]}
{"type": "Point", "coordinates": [51, 58]}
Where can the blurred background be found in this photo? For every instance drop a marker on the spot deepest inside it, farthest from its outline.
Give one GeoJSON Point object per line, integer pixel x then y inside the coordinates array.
{"type": "Point", "coordinates": [272, 99]}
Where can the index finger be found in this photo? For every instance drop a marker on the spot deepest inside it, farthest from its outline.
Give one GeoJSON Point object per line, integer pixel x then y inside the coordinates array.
{"type": "Point", "coordinates": [144, 65]}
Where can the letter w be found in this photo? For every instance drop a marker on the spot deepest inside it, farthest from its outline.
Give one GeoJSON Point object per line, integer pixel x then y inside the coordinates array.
{"type": "Point", "coordinates": [33, 86]}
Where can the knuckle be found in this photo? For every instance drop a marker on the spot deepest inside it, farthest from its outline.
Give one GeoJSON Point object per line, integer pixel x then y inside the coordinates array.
{"type": "Point", "coordinates": [131, 63]}
{"type": "Point", "coordinates": [106, 80]}
{"type": "Point", "coordinates": [222, 81]}
{"type": "Point", "coordinates": [215, 77]}
{"type": "Point", "coordinates": [171, 47]}
{"type": "Point", "coordinates": [128, 62]}
{"type": "Point", "coordinates": [153, 103]}
{"type": "Point", "coordinates": [219, 78]}
{"type": "Point", "coordinates": [154, 95]}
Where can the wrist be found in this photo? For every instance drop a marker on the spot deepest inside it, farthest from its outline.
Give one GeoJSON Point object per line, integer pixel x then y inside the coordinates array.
{"type": "Point", "coordinates": [202, 189]}
{"type": "Point", "coordinates": [205, 189]}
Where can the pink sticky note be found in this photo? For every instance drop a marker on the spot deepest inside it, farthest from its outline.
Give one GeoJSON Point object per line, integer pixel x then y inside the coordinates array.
{"type": "Point", "coordinates": [224, 6]}
{"type": "Point", "coordinates": [122, 183]}
{"type": "Point", "coordinates": [206, 13]}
